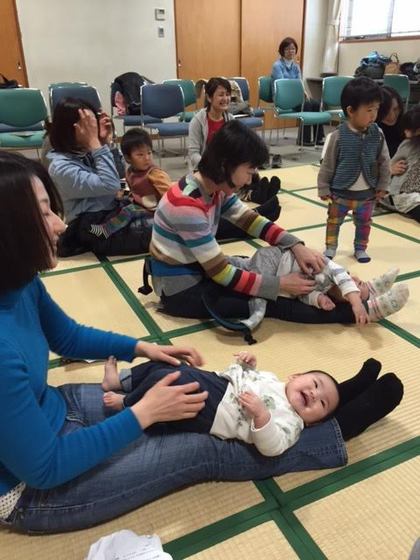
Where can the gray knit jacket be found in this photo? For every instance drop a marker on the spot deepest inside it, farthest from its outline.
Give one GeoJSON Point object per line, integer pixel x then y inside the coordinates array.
{"type": "Point", "coordinates": [197, 136]}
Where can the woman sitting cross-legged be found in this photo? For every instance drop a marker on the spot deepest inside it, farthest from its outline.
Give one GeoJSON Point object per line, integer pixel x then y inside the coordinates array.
{"type": "Point", "coordinates": [187, 261]}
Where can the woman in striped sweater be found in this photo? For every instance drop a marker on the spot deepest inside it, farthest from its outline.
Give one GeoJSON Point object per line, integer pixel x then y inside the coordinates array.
{"type": "Point", "coordinates": [187, 260]}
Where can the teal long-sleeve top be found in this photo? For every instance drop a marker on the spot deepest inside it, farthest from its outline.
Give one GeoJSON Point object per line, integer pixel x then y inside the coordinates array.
{"type": "Point", "coordinates": [31, 412]}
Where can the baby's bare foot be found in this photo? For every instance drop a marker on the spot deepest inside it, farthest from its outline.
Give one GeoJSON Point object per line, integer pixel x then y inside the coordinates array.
{"type": "Point", "coordinates": [325, 302]}
{"type": "Point", "coordinates": [114, 400]}
{"type": "Point", "coordinates": [111, 381]}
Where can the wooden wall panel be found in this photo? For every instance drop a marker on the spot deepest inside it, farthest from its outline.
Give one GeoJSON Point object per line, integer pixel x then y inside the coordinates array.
{"type": "Point", "coordinates": [263, 26]}
{"type": "Point", "coordinates": [12, 63]}
{"type": "Point", "coordinates": [208, 38]}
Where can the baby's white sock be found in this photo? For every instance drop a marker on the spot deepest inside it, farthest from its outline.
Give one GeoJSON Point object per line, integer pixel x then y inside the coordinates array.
{"type": "Point", "coordinates": [388, 303]}
{"type": "Point", "coordinates": [383, 283]}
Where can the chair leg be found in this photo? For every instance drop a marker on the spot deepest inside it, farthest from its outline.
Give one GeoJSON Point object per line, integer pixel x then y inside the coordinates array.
{"type": "Point", "coordinates": [301, 125]}
{"type": "Point", "coordinates": [316, 136]}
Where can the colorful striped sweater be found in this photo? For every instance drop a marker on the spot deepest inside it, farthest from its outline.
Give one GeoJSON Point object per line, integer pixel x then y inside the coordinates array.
{"type": "Point", "coordinates": [184, 229]}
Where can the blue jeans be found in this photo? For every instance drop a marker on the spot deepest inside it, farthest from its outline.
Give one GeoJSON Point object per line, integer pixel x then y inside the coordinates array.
{"type": "Point", "coordinates": [159, 462]}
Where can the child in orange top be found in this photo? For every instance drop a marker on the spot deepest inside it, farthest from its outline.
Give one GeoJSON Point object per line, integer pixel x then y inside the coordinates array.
{"type": "Point", "coordinates": [147, 182]}
{"type": "Point", "coordinates": [147, 185]}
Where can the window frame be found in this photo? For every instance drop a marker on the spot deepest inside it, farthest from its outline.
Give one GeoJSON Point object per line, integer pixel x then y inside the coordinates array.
{"type": "Point", "coordinates": [378, 37]}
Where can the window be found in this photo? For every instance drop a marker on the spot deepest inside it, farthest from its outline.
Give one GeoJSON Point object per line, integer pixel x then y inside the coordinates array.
{"type": "Point", "coordinates": [379, 19]}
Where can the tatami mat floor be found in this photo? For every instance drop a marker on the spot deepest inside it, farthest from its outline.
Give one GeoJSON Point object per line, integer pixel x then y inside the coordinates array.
{"type": "Point", "coordinates": [366, 510]}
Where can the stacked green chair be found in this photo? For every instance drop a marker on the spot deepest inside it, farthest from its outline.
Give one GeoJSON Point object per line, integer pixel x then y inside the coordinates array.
{"type": "Point", "coordinates": [190, 98]}
{"type": "Point", "coordinates": [401, 84]}
{"type": "Point", "coordinates": [289, 95]}
{"type": "Point", "coordinates": [22, 109]}
{"type": "Point", "coordinates": [332, 86]}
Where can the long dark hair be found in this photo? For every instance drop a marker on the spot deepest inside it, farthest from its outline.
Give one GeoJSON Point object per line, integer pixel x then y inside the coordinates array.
{"type": "Point", "coordinates": [25, 246]}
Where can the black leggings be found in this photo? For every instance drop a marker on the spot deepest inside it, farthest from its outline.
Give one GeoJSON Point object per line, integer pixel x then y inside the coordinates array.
{"type": "Point", "coordinates": [130, 240]}
{"type": "Point", "coordinates": [229, 304]}
{"type": "Point", "coordinates": [415, 213]}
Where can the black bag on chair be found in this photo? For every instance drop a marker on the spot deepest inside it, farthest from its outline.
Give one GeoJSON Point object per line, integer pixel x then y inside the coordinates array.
{"type": "Point", "coordinates": [129, 84]}
{"type": "Point", "coordinates": [8, 84]}
{"type": "Point", "coordinates": [372, 66]}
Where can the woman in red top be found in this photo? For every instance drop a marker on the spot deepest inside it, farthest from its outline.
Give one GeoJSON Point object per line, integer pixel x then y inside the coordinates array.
{"type": "Point", "coordinates": [209, 120]}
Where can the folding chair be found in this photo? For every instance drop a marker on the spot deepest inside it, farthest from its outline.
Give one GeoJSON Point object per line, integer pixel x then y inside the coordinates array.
{"type": "Point", "coordinates": [22, 110]}
{"type": "Point", "coordinates": [289, 94]}
{"type": "Point", "coordinates": [332, 86]}
{"type": "Point", "coordinates": [163, 101]}
{"type": "Point", "coordinates": [400, 83]}
{"type": "Point", "coordinates": [190, 98]}
{"type": "Point", "coordinates": [129, 120]}
{"type": "Point", "coordinates": [254, 121]}
{"type": "Point", "coordinates": [86, 93]}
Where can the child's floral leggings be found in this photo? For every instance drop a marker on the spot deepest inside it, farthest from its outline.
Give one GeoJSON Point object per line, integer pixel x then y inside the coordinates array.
{"type": "Point", "coordinates": [362, 218]}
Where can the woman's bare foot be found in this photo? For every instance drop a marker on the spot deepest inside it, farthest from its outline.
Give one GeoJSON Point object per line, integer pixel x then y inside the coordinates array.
{"type": "Point", "coordinates": [325, 302]}
{"type": "Point", "coordinates": [114, 400]}
{"type": "Point", "coordinates": [111, 381]}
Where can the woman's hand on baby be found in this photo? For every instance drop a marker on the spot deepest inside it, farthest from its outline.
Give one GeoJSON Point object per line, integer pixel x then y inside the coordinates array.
{"type": "Point", "coordinates": [399, 167]}
{"type": "Point", "coordinates": [296, 284]}
{"type": "Point", "coordinates": [87, 130]}
{"type": "Point", "coordinates": [309, 260]}
{"type": "Point", "coordinates": [165, 402]}
{"type": "Point", "coordinates": [246, 358]}
{"type": "Point", "coordinates": [255, 408]}
{"type": "Point", "coordinates": [171, 354]}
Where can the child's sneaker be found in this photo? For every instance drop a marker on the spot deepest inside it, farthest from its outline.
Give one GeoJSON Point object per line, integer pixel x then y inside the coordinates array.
{"type": "Point", "coordinates": [361, 256]}
{"type": "Point", "coordinates": [389, 303]}
{"type": "Point", "coordinates": [330, 252]}
{"type": "Point", "coordinates": [380, 285]}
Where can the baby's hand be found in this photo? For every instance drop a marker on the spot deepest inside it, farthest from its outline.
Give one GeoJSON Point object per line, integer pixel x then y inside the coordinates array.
{"type": "Point", "coordinates": [399, 167]}
{"type": "Point", "coordinates": [255, 408]}
{"type": "Point", "coordinates": [247, 358]}
{"type": "Point", "coordinates": [380, 194]}
{"type": "Point", "coordinates": [325, 302]}
{"type": "Point", "coordinates": [359, 311]}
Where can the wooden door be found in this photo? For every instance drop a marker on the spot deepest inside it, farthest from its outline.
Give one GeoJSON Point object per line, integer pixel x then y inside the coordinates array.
{"type": "Point", "coordinates": [264, 25]}
{"type": "Point", "coordinates": [208, 38]}
{"type": "Point", "coordinates": [12, 63]}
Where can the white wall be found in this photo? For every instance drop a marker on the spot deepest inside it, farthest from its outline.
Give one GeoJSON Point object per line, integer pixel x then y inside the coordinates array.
{"type": "Point", "coordinates": [314, 37]}
{"type": "Point", "coordinates": [350, 54]}
{"type": "Point", "coordinates": [95, 41]}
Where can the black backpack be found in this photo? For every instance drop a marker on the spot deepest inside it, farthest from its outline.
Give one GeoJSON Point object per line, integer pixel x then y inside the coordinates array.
{"type": "Point", "coordinates": [407, 68]}
{"type": "Point", "coordinates": [129, 84]}
{"type": "Point", "coordinates": [372, 66]}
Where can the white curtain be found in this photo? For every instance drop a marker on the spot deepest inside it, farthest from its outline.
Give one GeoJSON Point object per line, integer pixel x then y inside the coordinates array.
{"type": "Point", "coordinates": [330, 63]}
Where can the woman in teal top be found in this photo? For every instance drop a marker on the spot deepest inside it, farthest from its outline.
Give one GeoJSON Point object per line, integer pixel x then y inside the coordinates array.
{"type": "Point", "coordinates": [286, 68]}
{"type": "Point", "coordinates": [66, 463]}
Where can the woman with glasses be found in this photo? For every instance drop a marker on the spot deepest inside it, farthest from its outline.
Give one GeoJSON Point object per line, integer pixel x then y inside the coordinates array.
{"type": "Point", "coordinates": [286, 68]}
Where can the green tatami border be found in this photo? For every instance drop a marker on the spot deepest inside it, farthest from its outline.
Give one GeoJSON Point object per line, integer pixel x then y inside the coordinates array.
{"type": "Point", "coordinates": [219, 530]}
{"type": "Point", "coordinates": [374, 224]}
{"type": "Point", "coordinates": [347, 476]}
{"type": "Point", "coordinates": [290, 527]}
{"type": "Point", "coordinates": [283, 513]}
{"type": "Point", "coordinates": [132, 301]}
